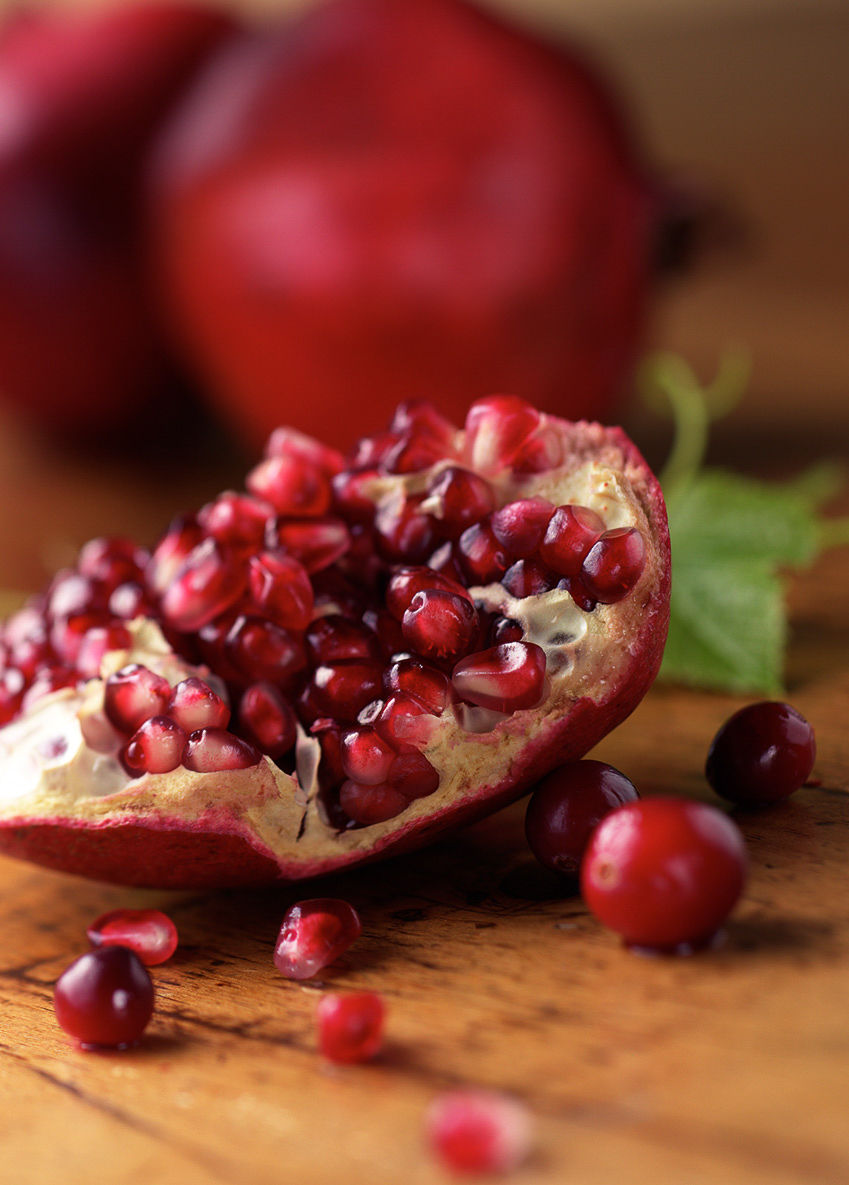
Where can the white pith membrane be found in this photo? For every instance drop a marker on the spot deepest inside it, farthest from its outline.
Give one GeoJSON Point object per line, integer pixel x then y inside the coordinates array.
{"type": "Point", "coordinates": [48, 772]}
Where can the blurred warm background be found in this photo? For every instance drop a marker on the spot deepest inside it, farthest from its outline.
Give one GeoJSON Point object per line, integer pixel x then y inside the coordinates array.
{"type": "Point", "coordinates": [748, 99]}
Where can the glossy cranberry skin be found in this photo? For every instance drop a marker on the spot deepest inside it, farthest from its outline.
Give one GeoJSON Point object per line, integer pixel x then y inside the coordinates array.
{"type": "Point", "coordinates": [763, 753]}
{"type": "Point", "coordinates": [104, 998]}
{"type": "Point", "coordinates": [567, 806]}
{"type": "Point", "coordinates": [664, 873]}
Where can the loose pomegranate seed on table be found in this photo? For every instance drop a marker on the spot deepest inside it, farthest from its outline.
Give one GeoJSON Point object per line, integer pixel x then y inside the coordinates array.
{"type": "Point", "coordinates": [148, 932]}
{"type": "Point", "coordinates": [475, 1132]}
{"type": "Point", "coordinates": [313, 934]}
{"type": "Point", "coordinates": [350, 1026]}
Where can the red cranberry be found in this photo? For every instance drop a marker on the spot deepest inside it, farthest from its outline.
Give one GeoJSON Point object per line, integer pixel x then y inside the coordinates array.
{"type": "Point", "coordinates": [664, 873]}
{"type": "Point", "coordinates": [105, 998]}
{"type": "Point", "coordinates": [313, 934]}
{"type": "Point", "coordinates": [148, 932]}
{"type": "Point", "coordinates": [567, 806]}
{"type": "Point", "coordinates": [763, 753]}
{"type": "Point", "coordinates": [350, 1026]}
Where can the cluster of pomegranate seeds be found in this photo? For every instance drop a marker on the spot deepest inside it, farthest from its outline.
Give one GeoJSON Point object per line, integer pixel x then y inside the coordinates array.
{"type": "Point", "coordinates": [313, 934]}
{"type": "Point", "coordinates": [350, 1026]}
{"type": "Point", "coordinates": [475, 1132]}
{"type": "Point", "coordinates": [148, 932]}
{"type": "Point", "coordinates": [312, 605]}
{"type": "Point", "coordinates": [104, 999]}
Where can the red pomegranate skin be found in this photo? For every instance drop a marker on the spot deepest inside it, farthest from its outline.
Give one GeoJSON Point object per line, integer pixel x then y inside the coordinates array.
{"type": "Point", "coordinates": [80, 350]}
{"type": "Point", "coordinates": [378, 197]}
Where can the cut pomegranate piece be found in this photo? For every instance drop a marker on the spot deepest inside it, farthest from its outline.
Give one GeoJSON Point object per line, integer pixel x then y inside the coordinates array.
{"type": "Point", "coordinates": [350, 1026]}
{"type": "Point", "coordinates": [506, 678]}
{"type": "Point", "coordinates": [148, 932]}
{"type": "Point", "coordinates": [313, 934]}
{"type": "Point", "coordinates": [365, 685]}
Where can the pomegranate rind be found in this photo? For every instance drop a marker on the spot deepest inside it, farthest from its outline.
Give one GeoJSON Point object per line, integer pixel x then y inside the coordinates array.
{"type": "Point", "coordinates": [184, 829]}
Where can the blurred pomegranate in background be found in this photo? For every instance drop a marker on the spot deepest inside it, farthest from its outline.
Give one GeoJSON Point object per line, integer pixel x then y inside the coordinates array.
{"type": "Point", "coordinates": [81, 96]}
{"type": "Point", "coordinates": [378, 197]}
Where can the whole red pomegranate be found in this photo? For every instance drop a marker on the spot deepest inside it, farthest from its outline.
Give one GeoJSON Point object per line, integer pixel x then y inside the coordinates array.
{"type": "Point", "coordinates": [344, 660]}
{"type": "Point", "coordinates": [82, 95]}
{"type": "Point", "coordinates": [381, 197]}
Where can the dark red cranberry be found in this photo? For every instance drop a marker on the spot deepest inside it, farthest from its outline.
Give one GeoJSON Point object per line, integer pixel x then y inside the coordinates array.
{"type": "Point", "coordinates": [567, 806]}
{"type": "Point", "coordinates": [105, 998]}
{"type": "Point", "coordinates": [763, 753]}
{"type": "Point", "coordinates": [664, 873]}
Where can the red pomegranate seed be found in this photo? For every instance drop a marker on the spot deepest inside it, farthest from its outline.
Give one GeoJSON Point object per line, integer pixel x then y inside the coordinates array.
{"type": "Point", "coordinates": [367, 805]}
{"type": "Point", "coordinates": [262, 650]}
{"type": "Point", "coordinates": [420, 417]}
{"type": "Point", "coordinates": [12, 684]}
{"type": "Point", "coordinates": [406, 582]}
{"type": "Point", "coordinates": [421, 680]}
{"type": "Point", "coordinates": [387, 631]}
{"type": "Point", "coordinates": [496, 428]}
{"type": "Point", "coordinates": [130, 600]}
{"type": "Point", "coordinates": [480, 555]}
{"type": "Point", "coordinates": [475, 1132]}
{"type": "Point", "coordinates": [445, 560]}
{"type": "Point", "coordinates": [313, 934]}
{"type": "Point", "coordinates": [211, 644]}
{"type": "Point", "coordinates": [366, 757]}
{"type": "Point", "coordinates": [173, 549]}
{"type": "Point", "coordinates": [156, 747]}
{"type": "Point", "coordinates": [350, 1026]}
{"type": "Point", "coordinates": [211, 750]}
{"type": "Point", "coordinates": [350, 495]}
{"type": "Point", "coordinates": [67, 633]}
{"type": "Point", "coordinates": [456, 499]}
{"type": "Point", "coordinates": [236, 520]}
{"type": "Point", "coordinates": [208, 582]}
{"type": "Point", "coordinates": [47, 680]}
{"type": "Point", "coordinates": [70, 594]}
{"type": "Point", "coordinates": [342, 689]}
{"type": "Point", "coordinates": [289, 442]}
{"type": "Point", "coordinates": [194, 705]}
{"type": "Point", "coordinates": [96, 643]}
{"type": "Point", "coordinates": [440, 625]}
{"type": "Point", "coordinates": [412, 455]}
{"type": "Point", "coordinates": [572, 531]}
{"type": "Point", "coordinates": [134, 694]}
{"type": "Point", "coordinates": [404, 722]}
{"type": "Point", "coordinates": [335, 637]}
{"type": "Point", "coordinates": [105, 998]}
{"type": "Point", "coordinates": [316, 543]}
{"type": "Point", "coordinates": [99, 734]}
{"type": "Point", "coordinates": [413, 775]}
{"type": "Point", "coordinates": [148, 932]}
{"type": "Point", "coordinates": [267, 720]}
{"type": "Point", "coordinates": [520, 526]}
{"type": "Point", "coordinates": [529, 578]}
{"type": "Point", "coordinates": [578, 593]}
{"type": "Point", "coordinates": [280, 589]}
{"type": "Point", "coordinates": [370, 452]}
{"type": "Point", "coordinates": [506, 678]}
{"type": "Point", "coordinates": [292, 485]}
{"type": "Point", "coordinates": [403, 534]}
{"type": "Point", "coordinates": [505, 629]}
{"type": "Point", "coordinates": [614, 565]}
{"type": "Point", "coordinates": [112, 560]}
{"type": "Point", "coordinates": [26, 641]}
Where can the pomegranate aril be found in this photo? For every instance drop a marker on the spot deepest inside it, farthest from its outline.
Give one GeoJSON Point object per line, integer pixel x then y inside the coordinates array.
{"type": "Point", "coordinates": [292, 485]}
{"type": "Point", "coordinates": [12, 684]}
{"type": "Point", "coordinates": [403, 721]}
{"type": "Point", "coordinates": [445, 561]}
{"type": "Point", "coordinates": [267, 720]}
{"type": "Point", "coordinates": [211, 750]}
{"type": "Point", "coordinates": [440, 625]}
{"type": "Point", "coordinates": [104, 998]}
{"type": "Point", "coordinates": [420, 417]}
{"type": "Point", "coordinates": [148, 932]}
{"type": "Point", "coordinates": [763, 753]}
{"type": "Point", "coordinates": [130, 600]}
{"type": "Point", "coordinates": [571, 533]}
{"type": "Point", "coordinates": [350, 1026]}
{"type": "Point", "coordinates": [236, 520]}
{"type": "Point", "coordinates": [280, 589]}
{"type": "Point", "coordinates": [112, 561]}
{"type": "Point", "coordinates": [262, 650]}
{"type": "Point", "coordinates": [496, 428]}
{"type": "Point", "coordinates": [335, 637]}
{"type": "Point", "coordinates": [614, 565]}
{"type": "Point", "coordinates": [210, 580]}
{"type": "Point", "coordinates": [368, 805]}
{"type": "Point", "coordinates": [183, 535]}
{"type": "Point", "coordinates": [412, 455]}
{"type": "Point", "coordinates": [386, 629]}
{"type": "Point", "coordinates": [520, 526]}
{"type": "Point", "coordinates": [134, 694]}
{"type": "Point", "coordinates": [315, 543]}
{"type": "Point", "coordinates": [566, 807]}
{"type": "Point", "coordinates": [505, 629]}
{"type": "Point", "coordinates": [342, 689]}
{"type": "Point", "coordinates": [194, 705]}
{"type": "Point", "coordinates": [505, 678]}
{"type": "Point", "coordinates": [406, 582]}
{"type": "Point", "coordinates": [422, 681]}
{"type": "Point", "coordinates": [476, 1132]}
{"type": "Point", "coordinates": [70, 593]}
{"type": "Point", "coordinates": [403, 534]}
{"type": "Point", "coordinates": [457, 498]}
{"type": "Point", "coordinates": [370, 452]}
{"type": "Point", "coordinates": [351, 495]}
{"type": "Point", "coordinates": [67, 633]}
{"type": "Point", "coordinates": [47, 680]}
{"type": "Point", "coordinates": [480, 555]}
{"type": "Point", "coordinates": [96, 643]}
{"type": "Point", "coordinates": [413, 775]}
{"type": "Point", "coordinates": [366, 756]}
{"type": "Point", "coordinates": [529, 578]}
{"type": "Point", "coordinates": [313, 934]}
{"type": "Point", "coordinates": [156, 747]}
{"type": "Point", "coordinates": [289, 442]}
